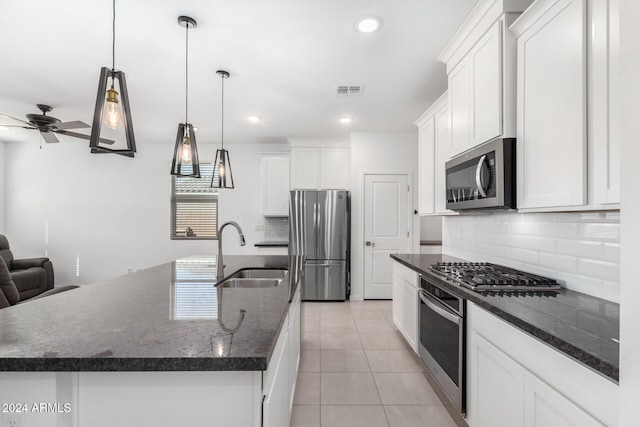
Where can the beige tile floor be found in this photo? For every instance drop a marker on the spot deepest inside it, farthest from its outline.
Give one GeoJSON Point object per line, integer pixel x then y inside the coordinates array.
{"type": "Point", "coordinates": [356, 370]}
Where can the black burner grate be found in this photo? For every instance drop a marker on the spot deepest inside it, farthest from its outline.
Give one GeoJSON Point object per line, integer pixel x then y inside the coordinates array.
{"type": "Point", "coordinates": [492, 277]}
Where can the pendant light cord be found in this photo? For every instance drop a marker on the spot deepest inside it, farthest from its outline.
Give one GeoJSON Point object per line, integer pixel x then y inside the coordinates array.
{"type": "Point", "coordinates": [186, 71]}
{"type": "Point", "coordinates": [222, 131]}
{"type": "Point", "coordinates": [113, 39]}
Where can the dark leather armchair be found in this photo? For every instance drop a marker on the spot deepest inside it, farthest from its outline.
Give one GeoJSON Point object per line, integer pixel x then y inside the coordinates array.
{"type": "Point", "coordinates": [32, 277]}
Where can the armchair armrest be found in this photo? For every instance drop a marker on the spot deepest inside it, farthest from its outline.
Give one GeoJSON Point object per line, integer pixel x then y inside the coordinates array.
{"type": "Point", "coordinates": [21, 264]}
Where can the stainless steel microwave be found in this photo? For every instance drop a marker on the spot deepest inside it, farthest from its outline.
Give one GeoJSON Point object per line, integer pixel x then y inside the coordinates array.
{"type": "Point", "coordinates": [483, 178]}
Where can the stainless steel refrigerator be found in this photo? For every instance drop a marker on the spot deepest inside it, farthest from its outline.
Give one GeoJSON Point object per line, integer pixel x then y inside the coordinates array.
{"type": "Point", "coordinates": [319, 228]}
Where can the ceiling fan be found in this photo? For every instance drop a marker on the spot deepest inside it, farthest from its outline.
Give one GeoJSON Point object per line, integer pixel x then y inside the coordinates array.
{"type": "Point", "coordinates": [49, 126]}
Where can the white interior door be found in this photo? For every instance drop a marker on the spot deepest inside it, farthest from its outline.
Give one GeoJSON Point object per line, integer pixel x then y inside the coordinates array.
{"type": "Point", "coordinates": [386, 230]}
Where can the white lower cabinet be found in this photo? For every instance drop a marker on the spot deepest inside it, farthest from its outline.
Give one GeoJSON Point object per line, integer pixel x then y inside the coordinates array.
{"type": "Point", "coordinates": [514, 380]}
{"type": "Point", "coordinates": [406, 303]}
{"type": "Point", "coordinates": [279, 380]}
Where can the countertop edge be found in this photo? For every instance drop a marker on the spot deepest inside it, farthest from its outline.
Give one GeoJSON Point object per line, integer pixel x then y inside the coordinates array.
{"type": "Point", "coordinates": [581, 356]}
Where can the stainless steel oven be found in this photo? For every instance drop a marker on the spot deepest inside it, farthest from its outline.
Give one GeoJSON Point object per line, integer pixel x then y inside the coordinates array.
{"type": "Point", "coordinates": [483, 178]}
{"type": "Point", "coordinates": [442, 339]}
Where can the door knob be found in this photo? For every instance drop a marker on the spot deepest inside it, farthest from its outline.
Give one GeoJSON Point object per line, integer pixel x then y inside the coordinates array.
{"type": "Point", "coordinates": [372, 244]}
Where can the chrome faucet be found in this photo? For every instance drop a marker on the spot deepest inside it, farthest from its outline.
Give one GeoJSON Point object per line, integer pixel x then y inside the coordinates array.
{"type": "Point", "coordinates": [220, 263]}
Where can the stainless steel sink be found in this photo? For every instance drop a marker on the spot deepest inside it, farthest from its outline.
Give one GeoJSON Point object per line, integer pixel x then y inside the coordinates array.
{"type": "Point", "coordinates": [259, 273]}
{"type": "Point", "coordinates": [250, 283]}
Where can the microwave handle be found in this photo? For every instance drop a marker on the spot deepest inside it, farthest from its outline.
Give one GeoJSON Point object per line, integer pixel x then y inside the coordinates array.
{"type": "Point", "coordinates": [479, 174]}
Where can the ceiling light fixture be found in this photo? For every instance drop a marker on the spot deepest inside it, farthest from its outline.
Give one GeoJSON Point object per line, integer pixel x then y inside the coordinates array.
{"type": "Point", "coordinates": [111, 111]}
{"type": "Point", "coordinates": [254, 119]}
{"type": "Point", "coordinates": [4, 128]}
{"type": "Point", "coordinates": [222, 176]}
{"type": "Point", "coordinates": [368, 24]}
{"type": "Point", "coordinates": [185, 155]}
{"type": "Point", "coordinates": [346, 120]}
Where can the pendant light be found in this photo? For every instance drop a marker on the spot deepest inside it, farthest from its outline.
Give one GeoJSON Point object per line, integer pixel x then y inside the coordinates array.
{"type": "Point", "coordinates": [222, 176]}
{"type": "Point", "coordinates": [112, 107]}
{"type": "Point", "coordinates": [186, 150]}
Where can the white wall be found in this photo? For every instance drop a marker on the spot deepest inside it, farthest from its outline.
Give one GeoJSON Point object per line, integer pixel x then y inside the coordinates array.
{"type": "Point", "coordinates": [630, 225]}
{"type": "Point", "coordinates": [431, 228]}
{"type": "Point", "coordinates": [115, 211]}
{"type": "Point", "coordinates": [579, 249]}
{"type": "Point", "coordinates": [2, 184]}
{"type": "Point", "coordinates": [378, 152]}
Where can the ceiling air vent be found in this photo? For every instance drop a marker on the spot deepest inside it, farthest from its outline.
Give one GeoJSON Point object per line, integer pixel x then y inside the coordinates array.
{"type": "Point", "coordinates": [349, 90]}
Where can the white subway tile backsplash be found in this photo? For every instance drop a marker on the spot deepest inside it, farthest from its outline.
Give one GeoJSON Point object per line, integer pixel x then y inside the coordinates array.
{"type": "Point", "coordinates": [611, 252]}
{"type": "Point", "coordinates": [525, 256]}
{"type": "Point", "coordinates": [587, 285]}
{"type": "Point", "coordinates": [579, 249]}
{"type": "Point", "coordinates": [564, 263]}
{"type": "Point", "coordinates": [545, 244]}
{"type": "Point", "coordinates": [522, 227]}
{"type": "Point", "coordinates": [600, 269]}
{"type": "Point", "coordinates": [567, 230]}
{"type": "Point", "coordinates": [599, 231]}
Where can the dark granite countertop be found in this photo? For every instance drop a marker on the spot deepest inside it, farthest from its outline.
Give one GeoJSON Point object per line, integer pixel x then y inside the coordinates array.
{"type": "Point", "coordinates": [430, 242]}
{"type": "Point", "coordinates": [272, 244]}
{"type": "Point", "coordinates": [581, 326]}
{"type": "Point", "coordinates": [166, 318]}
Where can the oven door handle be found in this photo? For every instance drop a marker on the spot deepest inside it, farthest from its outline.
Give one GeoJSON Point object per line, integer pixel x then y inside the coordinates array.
{"type": "Point", "coordinates": [439, 310]}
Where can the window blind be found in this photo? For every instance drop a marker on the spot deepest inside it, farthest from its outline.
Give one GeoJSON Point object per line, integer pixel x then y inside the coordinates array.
{"type": "Point", "coordinates": [194, 206]}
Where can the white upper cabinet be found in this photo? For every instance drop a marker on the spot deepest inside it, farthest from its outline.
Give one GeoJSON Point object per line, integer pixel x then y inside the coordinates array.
{"type": "Point", "coordinates": [426, 166]}
{"type": "Point", "coordinates": [567, 127]}
{"type": "Point", "coordinates": [603, 112]}
{"type": "Point", "coordinates": [480, 61]}
{"type": "Point", "coordinates": [552, 104]}
{"type": "Point", "coordinates": [275, 185]}
{"type": "Point", "coordinates": [304, 168]}
{"type": "Point", "coordinates": [320, 164]}
{"type": "Point", "coordinates": [434, 149]}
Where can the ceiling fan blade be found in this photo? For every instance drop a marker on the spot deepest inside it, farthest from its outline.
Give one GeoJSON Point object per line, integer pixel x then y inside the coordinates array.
{"type": "Point", "coordinates": [13, 118]}
{"type": "Point", "coordinates": [87, 137]}
{"type": "Point", "coordinates": [71, 125]}
{"type": "Point", "coordinates": [19, 127]}
{"type": "Point", "coordinates": [49, 137]}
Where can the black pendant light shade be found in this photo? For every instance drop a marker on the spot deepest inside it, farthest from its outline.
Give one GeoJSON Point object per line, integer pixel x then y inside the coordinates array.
{"type": "Point", "coordinates": [109, 113]}
{"type": "Point", "coordinates": [222, 176]}
{"type": "Point", "coordinates": [112, 106]}
{"type": "Point", "coordinates": [185, 154]}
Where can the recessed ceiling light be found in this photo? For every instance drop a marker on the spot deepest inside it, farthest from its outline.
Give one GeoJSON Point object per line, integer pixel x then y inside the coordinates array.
{"type": "Point", "coordinates": [346, 120]}
{"type": "Point", "coordinates": [253, 119]}
{"type": "Point", "coordinates": [368, 24]}
{"type": "Point", "coordinates": [4, 128]}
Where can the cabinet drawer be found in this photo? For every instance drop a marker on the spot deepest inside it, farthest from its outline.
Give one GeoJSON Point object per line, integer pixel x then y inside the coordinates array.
{"type": "Point", "coordinates": [406, 274]}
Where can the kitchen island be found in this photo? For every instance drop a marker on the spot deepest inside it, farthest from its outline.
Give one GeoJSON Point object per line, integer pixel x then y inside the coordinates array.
{"type": "Point", "coordinates": [163, 346]}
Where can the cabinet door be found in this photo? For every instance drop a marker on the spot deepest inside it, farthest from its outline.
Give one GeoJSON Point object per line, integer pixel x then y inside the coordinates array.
{"type": "Point", "coordinates": [304, 168]}
{"type": "Point", "coordinates": [426, 168]}
{"type": "Point", "coordinates": [397, 305]}
{"type": "Point", "coordinates": [443, 153]}
{"type": "Point", "coordinates": [545, 406]}
{"type": "Point", "coordinates": [275, 406]}
{"type": "Point", "coordinates": [294, 346]}
{"type": "Point", "coordinates": [486, 84]}
{"type": "Point", "coordinates": [551, 125]}
{"type": "Point", "coordinates": [410, 309]}
{"type": "Point", "coordinates": [275, 186]}
{"type": "Point", "coordinates": [604, 112]}
{"type": "Point", "coordinates": [334, 169]}
{"type": "Point", "coordinates": [460, 107]}
{"type": "Point", "coordinates": [496, 386]}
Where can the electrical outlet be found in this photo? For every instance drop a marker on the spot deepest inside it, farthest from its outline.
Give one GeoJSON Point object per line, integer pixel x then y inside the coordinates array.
{"type": "Point", "coordinates": [13, 419]}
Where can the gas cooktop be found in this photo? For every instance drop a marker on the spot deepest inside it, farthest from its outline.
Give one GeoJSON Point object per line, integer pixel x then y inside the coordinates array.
{"type": "Point", "coordinates": [484, 276]}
